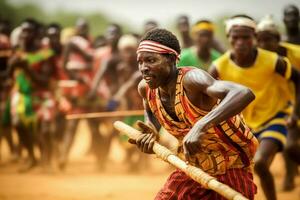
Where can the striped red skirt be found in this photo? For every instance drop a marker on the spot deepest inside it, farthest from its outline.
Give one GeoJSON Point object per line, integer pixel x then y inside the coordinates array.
{"type": "Point", "coordinates": [181, 187]}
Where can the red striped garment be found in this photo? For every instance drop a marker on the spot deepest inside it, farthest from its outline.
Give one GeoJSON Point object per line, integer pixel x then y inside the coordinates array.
{"type": "Point", "coordinates": [181, 187]}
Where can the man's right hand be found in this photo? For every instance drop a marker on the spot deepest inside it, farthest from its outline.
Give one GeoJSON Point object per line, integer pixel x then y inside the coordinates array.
{"type": "Point", "coordinates": [146, 140]}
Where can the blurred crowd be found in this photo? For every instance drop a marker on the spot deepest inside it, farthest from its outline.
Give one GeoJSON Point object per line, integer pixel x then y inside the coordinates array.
{"type": "Point", "coordinates": [48, 72]}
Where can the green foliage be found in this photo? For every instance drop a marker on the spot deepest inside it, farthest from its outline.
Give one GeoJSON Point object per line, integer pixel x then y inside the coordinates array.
{"type": "Point", "coordinates": [16, 13]}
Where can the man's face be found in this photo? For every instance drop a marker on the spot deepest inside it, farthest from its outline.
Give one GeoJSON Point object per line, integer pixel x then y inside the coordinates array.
{"type": "Point", "coordinates": [112, 35]}
{"type": "Point", "coordinates": [54, 36]}
{"type": "Point", "coordinates": [183, 24]}
{"type": "Point", "coordinates": [291, 18]}
{"type": "Point", "coordinates": [82, 29]}
{"type": "Point", "coordinates": [128, 54]}
{"type": "Point", "coordinates": [267, 40]}
{"type": "Point", "coordinates": [155, 68]}
{"type": "Point", "coordinates": [203, 38]}
{"type": "Point", "coordinates": [241, 39]}
{"type": "Point", "coordinates": [28, 33]}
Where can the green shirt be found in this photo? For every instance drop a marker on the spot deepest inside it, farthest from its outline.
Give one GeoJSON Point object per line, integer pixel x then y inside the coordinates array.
{"type": "Point", "coordinates": [189, 58]}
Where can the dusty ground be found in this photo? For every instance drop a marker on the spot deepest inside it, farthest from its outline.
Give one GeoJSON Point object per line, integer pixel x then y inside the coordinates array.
{"type": "Point", "coordinates": [82, 180]}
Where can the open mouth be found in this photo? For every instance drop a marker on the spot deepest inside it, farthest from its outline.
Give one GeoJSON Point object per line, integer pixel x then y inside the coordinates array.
{"type": "Point", "coordinates": [147, 78]}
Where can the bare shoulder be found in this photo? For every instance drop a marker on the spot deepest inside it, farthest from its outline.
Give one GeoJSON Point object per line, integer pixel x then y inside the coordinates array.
{"type": "Point", "coordinates": [213, 71]}
{"type": "Point", "coordinates": [142, 89]}
{"type": "Point", "coordinates": [197, 80]}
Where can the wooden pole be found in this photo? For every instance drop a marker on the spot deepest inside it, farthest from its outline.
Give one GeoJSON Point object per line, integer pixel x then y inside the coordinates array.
{"type": "Point", "coordinates": [195, 173]}
{"type": "Point", "coordinates": [122, 113]}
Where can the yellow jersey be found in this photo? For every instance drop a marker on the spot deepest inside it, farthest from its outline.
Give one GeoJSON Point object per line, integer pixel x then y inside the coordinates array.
{"type": "Point", "coordinates": [293, 53]}
{"type": "Point", "coordinates": [269, 87]}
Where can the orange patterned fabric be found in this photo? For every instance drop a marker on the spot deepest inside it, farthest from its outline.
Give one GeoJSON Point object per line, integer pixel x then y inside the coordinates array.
{"type": "Point", "coordinates": [228, 145]}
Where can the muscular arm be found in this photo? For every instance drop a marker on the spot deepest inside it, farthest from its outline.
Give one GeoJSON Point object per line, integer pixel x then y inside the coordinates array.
{"type": "Point", "coordinates": [107, 66]}
{"type": "Point", "coordinates": [281, 68]}
{"type": "Point", "coordinates": [127, 85]}
{"type": "Point", "coordinates": [70, 47]}
{"type": "Point", "coordinates": [149, 116]}
{"type": "Point", "coordinates": [234, 97]}
{"type": "Point", "coordinates": [213, 72]}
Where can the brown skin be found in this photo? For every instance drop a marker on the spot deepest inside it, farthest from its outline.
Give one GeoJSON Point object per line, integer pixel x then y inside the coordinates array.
{"type": "Point", "coordinates": [40, 81]}
{"type": "Point", "coordinates": [203, 91]}
{"type": "Point", "coordinates": [183, 27]}
{"type": "Point", "coordinates": [244, 54]}
{"type": "Point", "coordinates": [271, 41]}
{"type": "Point", "coordinates": [203, 40]}
{"type": "Point", "coordinates": [291, 21]}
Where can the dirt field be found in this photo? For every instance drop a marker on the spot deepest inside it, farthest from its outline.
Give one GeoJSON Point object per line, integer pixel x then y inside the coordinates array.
{"type": "Point", "coordinates": [82, 180]}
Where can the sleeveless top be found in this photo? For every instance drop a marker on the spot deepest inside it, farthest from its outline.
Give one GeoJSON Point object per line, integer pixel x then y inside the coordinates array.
{"type": "Point", "coordinates": [230, 144]}
{"type": "Point", "coordinates": [270, 88]}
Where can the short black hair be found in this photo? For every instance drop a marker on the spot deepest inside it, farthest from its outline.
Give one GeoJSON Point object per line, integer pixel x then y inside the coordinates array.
{"type": "Point", "coordinates": [289, 7]}
{"type": "Point", "coordinates": [54, 25]}
{"type": "Point", "coordinates": [163, 37]}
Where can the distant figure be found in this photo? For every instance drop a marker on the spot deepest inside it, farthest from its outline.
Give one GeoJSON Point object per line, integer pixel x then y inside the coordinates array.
{"type": "Point", "coordinates": [201, 54]}
{"type": "Point", "coordinates": [268, 37]}
{"type": "Point", "coordinates": [32, 99]}
{"type": "Point", "coordinates": [149, 25]}
{"type": "Point", "coordinates": [291, 19]}
{"type": "Point", "coordinates": [183, 26]}
{"type": "Point", "coordinates": [267, 74]}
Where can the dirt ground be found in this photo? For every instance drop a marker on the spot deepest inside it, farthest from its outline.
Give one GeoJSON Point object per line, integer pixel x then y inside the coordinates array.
{"type": "Point", "coordinates": [82, 180]}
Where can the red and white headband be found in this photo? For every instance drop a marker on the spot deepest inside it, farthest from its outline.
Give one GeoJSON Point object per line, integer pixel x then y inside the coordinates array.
{"type": "Point", "coordinates": [155, 47]}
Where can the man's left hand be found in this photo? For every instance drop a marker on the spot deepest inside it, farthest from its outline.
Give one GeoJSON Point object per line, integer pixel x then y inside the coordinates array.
{"type": "Point", "coordinates": [191, 142]}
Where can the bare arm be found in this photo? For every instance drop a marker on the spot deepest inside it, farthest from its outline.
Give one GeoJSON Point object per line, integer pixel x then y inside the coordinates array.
{"type": "Point", "coordinates": [282, 68]}
{"type": "Point", "coordinates": [149, 116]}
{"type": "Point", "coordinates": [213, 72]}
{"type": "Point", "coordinates": [68, 49]}
{"type": "Point", "coordinates": [146, 141]}
{"type": "Point", "coordinates": [127, 85]}
{"type": "Point", "coordinates": [234, 98]}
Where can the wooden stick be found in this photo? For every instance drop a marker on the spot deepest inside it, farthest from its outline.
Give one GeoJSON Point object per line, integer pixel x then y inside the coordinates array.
{"type": "Point", "coordinates": [122, 113]}
{"type": "Point", "coordinates": [195, 173]}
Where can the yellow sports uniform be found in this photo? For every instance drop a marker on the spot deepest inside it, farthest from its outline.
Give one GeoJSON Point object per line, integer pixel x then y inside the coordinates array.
{"type": "Point", "coordinates": [266, 114]}
{"type": "Point", "coordinates": [293, 53]}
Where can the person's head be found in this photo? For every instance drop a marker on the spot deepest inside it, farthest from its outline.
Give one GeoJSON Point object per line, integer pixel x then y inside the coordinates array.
{"type": "Point", "coordinates": [183, 24]}
{"type": "Point", "coordinates": [268, 36]}
{"type": "Point", "coordinates": [113, 34]}
{"type": "Point", "coordinates": [240, 30]}
{"type": "Point", "coordinates": [4, 27]}
{"type": "Point", "coordinates": [53, 33]}
{"type": "Point", "coordinates": [203, 33]}
{"type": "Point", "coordinates": [291, 17]}
{"type": "Point", "coordinates": [82, 27]}
{"type": "Point", "coordinates": [28, 32]}
{"type": "Point", "coordinates": [127, 47]}
{"type": "Point", "coordinates": [99, 41]}
{"type": "Point", "coordinates": [149, 25]}
{"type": "Point", "coordinates": [157, 55]}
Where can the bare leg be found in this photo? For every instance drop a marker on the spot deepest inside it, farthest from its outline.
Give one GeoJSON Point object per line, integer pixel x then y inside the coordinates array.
{"type": "Point", "coordinates": [59, 132]}
{"type": "Point", "coordinates": [101, 144]}
{"type": "Point", "coordinates": [67, 142]}
{"type": "Point", "coordinates": [293, 146]}
{"type": "Point", "coordinates": [290, 174]}
{"type": "Point", "coordinates": [46, 139]}
{"type": "Point", "coordinates": [263, 159]}
{"type": "Point", "coordinates": [26, 135]}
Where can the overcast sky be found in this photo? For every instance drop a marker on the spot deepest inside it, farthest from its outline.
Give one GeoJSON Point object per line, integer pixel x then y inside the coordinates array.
{"type": "Point", "coordinates": [135, 12]}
